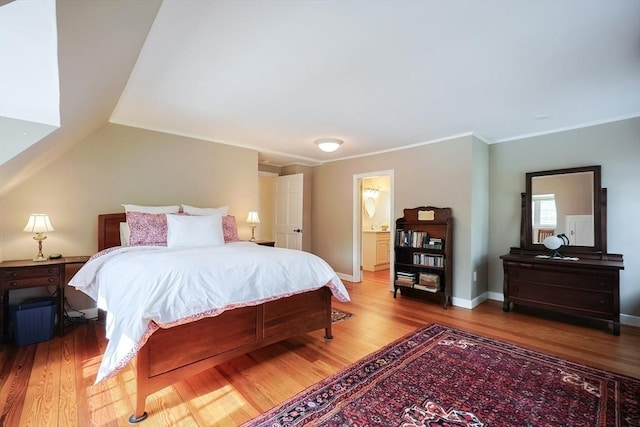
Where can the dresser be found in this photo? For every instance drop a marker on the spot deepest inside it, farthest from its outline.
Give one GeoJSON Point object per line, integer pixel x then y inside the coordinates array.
{"type": "Point", "coordinates": [569, 272]}
{"type": "Point", "coordinates": [582, 287]}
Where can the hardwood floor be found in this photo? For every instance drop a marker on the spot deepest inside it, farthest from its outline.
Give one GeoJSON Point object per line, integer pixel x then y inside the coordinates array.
{"type": "Point", "coordinates": [51, 383]}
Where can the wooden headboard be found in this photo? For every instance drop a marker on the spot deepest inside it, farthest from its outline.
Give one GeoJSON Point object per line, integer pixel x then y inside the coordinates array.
{"type": "Point", "coordinates": [109, 230]}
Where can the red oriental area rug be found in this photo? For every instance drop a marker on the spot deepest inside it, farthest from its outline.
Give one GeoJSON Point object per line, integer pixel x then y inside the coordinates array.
{"type": "Point", "coordinates": [440, 376]}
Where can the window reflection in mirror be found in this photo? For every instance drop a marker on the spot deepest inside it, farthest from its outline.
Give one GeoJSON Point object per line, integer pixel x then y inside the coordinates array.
{"type": "Point", "coordinates": [563, 204]}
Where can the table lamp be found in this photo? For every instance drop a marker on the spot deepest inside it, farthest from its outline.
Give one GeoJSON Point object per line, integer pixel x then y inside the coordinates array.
{"type": "Point", "coordinates": [253, 219]}
{"type": "Point", "coordinates": [39, 224]}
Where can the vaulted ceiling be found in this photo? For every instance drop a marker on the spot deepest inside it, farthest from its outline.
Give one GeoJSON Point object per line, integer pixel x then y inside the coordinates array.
{"type": "Point", "coordinates": [276, 75]}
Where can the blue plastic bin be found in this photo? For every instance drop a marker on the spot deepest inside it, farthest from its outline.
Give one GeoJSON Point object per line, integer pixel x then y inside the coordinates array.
{"type": "Point", "coordinates": [33, 322]}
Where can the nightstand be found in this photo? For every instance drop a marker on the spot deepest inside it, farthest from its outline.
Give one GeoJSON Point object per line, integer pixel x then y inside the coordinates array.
{"type": "Point", "coordinates": [265, 242]}
{"type": "Point", "coordinates": [25, 274]}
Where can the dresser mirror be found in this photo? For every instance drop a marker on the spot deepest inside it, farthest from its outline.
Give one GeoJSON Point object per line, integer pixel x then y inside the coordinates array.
{"type": "Point", "coordinates": [564, 202]}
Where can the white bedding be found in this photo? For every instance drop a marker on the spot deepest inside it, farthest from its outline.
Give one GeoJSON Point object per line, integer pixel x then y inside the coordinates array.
{"type": "Point", "coordinates": [146, 287]}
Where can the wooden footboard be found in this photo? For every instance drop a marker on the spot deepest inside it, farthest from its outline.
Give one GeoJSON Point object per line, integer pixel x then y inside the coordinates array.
{"type": "Point", "coordinates": [171, 355]}
{"type": "Point", "coordinates": [168, 357]}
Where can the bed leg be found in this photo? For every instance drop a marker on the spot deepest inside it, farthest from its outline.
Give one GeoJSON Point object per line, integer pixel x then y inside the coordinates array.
{"type": "Point", "coordinates": [135, 420]}
{"type": "Point", "coordinates": [328, 336]}
{"type": "Point", "coordinates": [141, 363]}
{"type": "Point", "coordinates": [140, 414]}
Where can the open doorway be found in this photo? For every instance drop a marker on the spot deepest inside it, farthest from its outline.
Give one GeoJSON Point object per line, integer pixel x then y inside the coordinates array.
{"type": "Point", "coordinates": [373, 225]}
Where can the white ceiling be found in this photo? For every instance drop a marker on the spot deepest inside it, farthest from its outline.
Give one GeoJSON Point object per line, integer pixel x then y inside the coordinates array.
{"type": "Point", "coordinates": [276, 75]}
{"type": "Point", "coordinates": [29, 92]}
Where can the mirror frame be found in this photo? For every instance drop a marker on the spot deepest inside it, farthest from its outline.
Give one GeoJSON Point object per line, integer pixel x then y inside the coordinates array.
{"type": "Point", "coordinates": [599, 213]}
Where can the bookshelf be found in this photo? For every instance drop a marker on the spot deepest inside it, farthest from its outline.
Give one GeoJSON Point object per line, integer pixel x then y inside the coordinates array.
{"type": "Point", "coordinates": [423, 247]}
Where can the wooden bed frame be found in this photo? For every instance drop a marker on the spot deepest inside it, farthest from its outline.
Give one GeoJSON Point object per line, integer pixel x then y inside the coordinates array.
{"type": "Point", "coordinates": [167, 357]}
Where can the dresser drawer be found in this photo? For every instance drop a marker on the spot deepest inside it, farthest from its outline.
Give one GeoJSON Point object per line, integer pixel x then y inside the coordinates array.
{"type": "Point", "coordinates": [574, 278]}
{"type": "Point", "coordinates": [562, 296]}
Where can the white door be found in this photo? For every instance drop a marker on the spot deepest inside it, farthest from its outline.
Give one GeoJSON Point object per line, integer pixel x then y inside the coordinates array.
{"type": "Point", "coordinates": [288, 216]}
{"type": "Point", "coordinates": [580, 230]}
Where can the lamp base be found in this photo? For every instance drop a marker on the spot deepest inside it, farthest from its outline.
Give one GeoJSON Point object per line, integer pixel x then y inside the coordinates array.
{"type": "Point", "coordinates": [39, 259]}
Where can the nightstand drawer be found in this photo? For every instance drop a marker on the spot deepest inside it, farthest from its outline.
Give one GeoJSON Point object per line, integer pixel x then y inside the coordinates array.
{"type": "Point", "coordinates": [31, 272]}
{"type": "Point", "coordinates": [32, 282]}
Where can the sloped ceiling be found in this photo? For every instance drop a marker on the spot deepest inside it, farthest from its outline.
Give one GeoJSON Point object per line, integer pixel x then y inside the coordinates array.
{"type": "Point", "coordinates": [98, 45]}
{"type": "Point", "coordinates": [379, 74]}
{"type": "Point", "coordinates": [29, 96]}
{"type": "Point", "coordinates": [276, 75]}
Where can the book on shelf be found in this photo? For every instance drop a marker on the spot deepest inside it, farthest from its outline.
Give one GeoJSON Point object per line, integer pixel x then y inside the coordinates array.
{"type": "Point", "coordinates": [412, 238]}
{"type": "Point", "coordinates": [426, 288]}
{"type": "Point", "coordinates": [428, 260]}
{"type": "Point", "coordinates": [406, 279]}
{"type": "Point", "coordinates": [405, 274]}
{"type": "Point", "coordinates": [428, 279]}
{"type": "Point", "coordinates": [405, 283]}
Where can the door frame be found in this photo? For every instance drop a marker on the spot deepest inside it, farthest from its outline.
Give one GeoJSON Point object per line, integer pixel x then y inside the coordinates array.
{"type": "Point", "coordinates": [357, 220]}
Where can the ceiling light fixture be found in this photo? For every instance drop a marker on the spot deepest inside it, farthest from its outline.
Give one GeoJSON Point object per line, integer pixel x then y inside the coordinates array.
{"type": "Point", "coordinates": [328, 145]}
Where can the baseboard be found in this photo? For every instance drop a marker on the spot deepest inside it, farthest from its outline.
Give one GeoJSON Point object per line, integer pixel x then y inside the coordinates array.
{"type": "Point", "coordinates": [627, 319]}
{"type": "Point", "coordinates": [496, 296]}
{"type": "Point", "coordinates": [469, 304]}
{"type": "Point", "coordinates": [347, 277]}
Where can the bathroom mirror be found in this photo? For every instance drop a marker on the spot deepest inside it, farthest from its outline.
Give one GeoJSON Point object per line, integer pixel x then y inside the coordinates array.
{"type": "Point", "coordinates": [369, 207]}
{"type": "Point", "coordinates": [563, 202]}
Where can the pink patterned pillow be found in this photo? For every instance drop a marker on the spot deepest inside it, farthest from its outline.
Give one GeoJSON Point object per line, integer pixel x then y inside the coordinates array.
{"type": "Point", "coordinates": [147, 229]}
{"type": "Point", "coordinates": [230, 229]}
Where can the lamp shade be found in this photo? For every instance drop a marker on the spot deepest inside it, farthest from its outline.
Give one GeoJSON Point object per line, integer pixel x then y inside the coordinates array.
{"type": "Point", "coordinates": [38, 223]}
{"type": "Point", "coordinates": [329, 145]}
{"type": "Point", "coordinates": [253, 217]}
{"type": "Point", "coordinates": [552, 242]}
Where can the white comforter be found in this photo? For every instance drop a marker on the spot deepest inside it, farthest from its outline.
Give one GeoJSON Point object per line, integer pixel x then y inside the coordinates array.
{"type": "Point", "coordinates": [146, 287]}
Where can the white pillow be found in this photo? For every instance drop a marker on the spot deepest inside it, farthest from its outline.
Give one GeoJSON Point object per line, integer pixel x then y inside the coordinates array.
{"type": "Point", "coordinates": [125, 231]}
{"type": "Point", "coordinates": [152, 209]}
{"type": "Point", "coordinates": [190, 231]}
{"type": "Point", "coordinates": [191, 210]}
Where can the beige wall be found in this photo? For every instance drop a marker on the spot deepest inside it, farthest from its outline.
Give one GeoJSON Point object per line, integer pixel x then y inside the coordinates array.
{"type": "Point", "coordinates": [614, 146]}
{"type": "Point", "coordinates": [119, 164]}
{"type": "Point", "coordinates": [435, 174]}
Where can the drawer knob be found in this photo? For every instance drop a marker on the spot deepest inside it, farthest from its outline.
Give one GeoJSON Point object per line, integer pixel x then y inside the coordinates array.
{"type": "Point", "coordinates": [51, 280]}
{"type": "Point", "coordinates": [13, 284]}
{"type": "Point", "coordinates": [14, 274]}
{"type": "Point", "coordinates": [51, 270]}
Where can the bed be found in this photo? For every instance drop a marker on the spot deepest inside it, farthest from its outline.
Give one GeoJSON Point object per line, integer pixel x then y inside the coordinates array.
{"type": "Point", "coordinates": [163, 357]}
